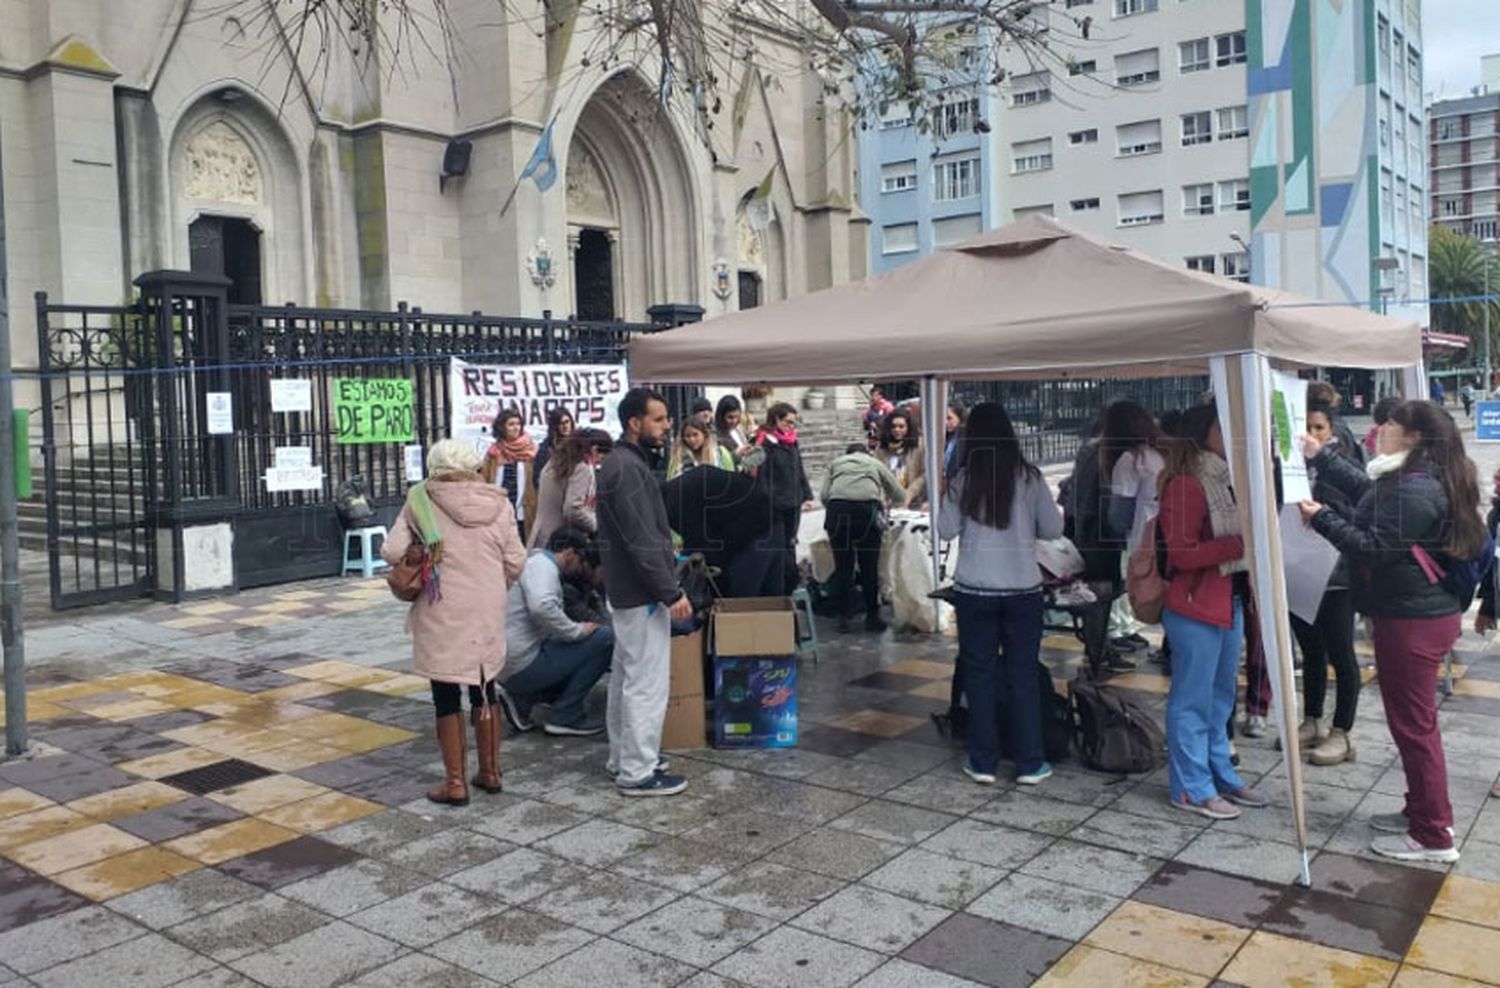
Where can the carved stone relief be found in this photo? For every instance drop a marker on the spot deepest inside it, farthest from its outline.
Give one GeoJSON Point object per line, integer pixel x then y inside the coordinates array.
{"type": "Point", "coordinates": [588, 196]}
{"type": "Point", "coordinates": [752, 252]}
{"type": "Point", "coordinates": [221, 167]}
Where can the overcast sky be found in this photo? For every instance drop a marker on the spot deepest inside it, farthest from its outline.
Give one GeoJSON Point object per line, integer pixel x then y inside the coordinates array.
{"type": "Point", "coordinates": [1457, 33]}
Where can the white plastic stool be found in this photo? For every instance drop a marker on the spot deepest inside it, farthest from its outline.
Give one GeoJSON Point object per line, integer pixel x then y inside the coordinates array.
{"type": "Point", "coordinates": [802, 600]}
{"type": "Point", "coordinates": [368, 562]}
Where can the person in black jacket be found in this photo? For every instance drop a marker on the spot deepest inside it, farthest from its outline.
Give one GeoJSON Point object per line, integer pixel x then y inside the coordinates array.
{"type": "Point", "coordinates": [1329, 639]}
{"type": "Point", "coordinates": [1415, 512]}
{"type": "Point", "coordinates": [784, 480]}
{"type": "Point", "coordinates": [1489, 587]}
{"type": "Point", "coordinates": [635, 545]}
{"type": "Point", "coordinates": [1084, 499]}
{"type": "Point", "coordinates": [721, 514]}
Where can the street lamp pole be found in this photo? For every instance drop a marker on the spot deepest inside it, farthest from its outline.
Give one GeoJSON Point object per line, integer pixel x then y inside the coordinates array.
{"type": "Point", "coordinates": [1488, 262]}
{"type": "Point", "coordinates": [12, 630]}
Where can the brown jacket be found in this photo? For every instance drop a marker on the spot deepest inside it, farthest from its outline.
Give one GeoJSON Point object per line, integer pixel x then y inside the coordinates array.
{"type": "Point", "coordinates": [559, 504]}
{"type": "Point", "coordinates": [460, 638]}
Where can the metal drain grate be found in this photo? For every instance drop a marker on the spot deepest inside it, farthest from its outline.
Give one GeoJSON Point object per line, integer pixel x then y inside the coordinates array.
{"type": "Point", "coordinates": [219, 775]}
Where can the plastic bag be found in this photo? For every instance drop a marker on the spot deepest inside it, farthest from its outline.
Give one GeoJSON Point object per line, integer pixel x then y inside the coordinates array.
{"type": "Point", "coordinates": [906, 575]}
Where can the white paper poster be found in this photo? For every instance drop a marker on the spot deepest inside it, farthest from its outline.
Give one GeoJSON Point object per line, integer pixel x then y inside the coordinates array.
{"type": "Point", "coordinates": [1288, 426]}
{"type": "Point", "coordinates": [283, 479]}
{"type": "Point", "coordinates": [220, 413]}
{"type": "Point", "coordinates": [590, 392]}
{"type": "Point", "coordinates": [290, 394]}
{"type": "Point", "coordinates": [413, 464]}
{"type": "Point", "coordinates": [292, 456]}
{"type": "Point", "coordinates": [1309, 560]}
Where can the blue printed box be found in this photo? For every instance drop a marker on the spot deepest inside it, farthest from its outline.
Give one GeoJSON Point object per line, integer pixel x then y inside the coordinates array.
{"type": "Point", "coordinates": [755, 702]}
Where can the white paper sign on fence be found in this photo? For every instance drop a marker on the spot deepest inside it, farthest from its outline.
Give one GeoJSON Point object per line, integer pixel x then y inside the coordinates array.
{"type": "Point", "coordinates": [1288, 425]}
{"type": "Point", "coordinates": [282, 479]}
{"type": "Point", "coordinates": [220, 413]}
{"type": "Point", "coordinates": [289, 394]}
{"type": "Point", "coordinates": [413, 464]}
{"type": "Point", "coordinates": [591, 393]}
{"type": "Point", "coordinates": [292, 456]}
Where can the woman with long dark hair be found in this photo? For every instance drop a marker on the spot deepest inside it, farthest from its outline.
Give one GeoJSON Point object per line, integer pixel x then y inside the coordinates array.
{"type": "Point", "coordinates": [509, 462]}
{"type": "Point", "coordinates": [1416, 513]}
{"type": "Point", "coordinates": [902, 452]}
{"type": "Point", "coordinates": [560, 426]}
{"type": "Point", "coordinates": [783, 478]}
{"type": "Point", "coordinates": [566, 497]}
{"type": "Point", "coordinates": [729, 427]}
{"type": "Point", "coordinates": [1130, 464]}
{"type": "Point", "coordinates": [1207, 586]}
{"type": "Point", "coordinates": [998, 506]}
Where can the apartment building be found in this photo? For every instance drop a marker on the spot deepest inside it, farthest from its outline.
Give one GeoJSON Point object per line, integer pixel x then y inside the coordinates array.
{"type": "Point", "coordinates": [1464, 159]}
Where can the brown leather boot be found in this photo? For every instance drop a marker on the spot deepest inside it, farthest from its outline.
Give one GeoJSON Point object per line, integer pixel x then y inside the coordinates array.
{"type": "Point", "coordinates": [454, 791]}
{"type": "Point", "coordinates": [486, 721]}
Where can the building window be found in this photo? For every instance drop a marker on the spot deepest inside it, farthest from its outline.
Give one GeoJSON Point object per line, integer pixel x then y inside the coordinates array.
{"type": "Point", "coordinates": [1234, 195]}
{"type": "Point", "coordinates": [955, 178]}
{"type": "Point", "coordinates": [898, 239]}
{"type": "Point", "coordinates": [1029, 90]}
{"type": "Point", "coordinates": [1197, 128]}
{"type": "Point", "coordinates": [1484, 230]}
{"type": "Point", "coordinates": [1031, 156]}
{"type": "Point", "coordinates": [1414, 67]}
{"type": "Point", "coordinates": [1234, 122]}
{"type": "Point", "coordinates": [1141, 208]}
{"type": "Point", "coordinates": [1143, 137]}
{"type": "Point", "coordinates": [1090, 136]}
{"type": "Point", "coordinates": [1137, 68]}
{"type": "Point", "coordinates": [1129, 8]}
{"type": "Point", "coordinates": [1193, 56]}
{"type": "Point", "coordinates": [1086, 67]}
{"type": "Point", "coordinates": [900, 176]}
{"type": "Point", "coordinates": [1198, 200]}
{"type": "Point", "coordinates": [1078, 3]}
{"type": "Point", "coordinates": [1236, 266]}
{"type": "Point", "coordinates": [1230, 49]}
{"type": "Point", "coordinates": [1451, 207]}
{"type": "Point", "coordinates": [952, 230]}
{"type": "Point", "coordinates": [895, 115]}
{"type": "Point", "coordinates": [1200, 262]}
{"type": "Point", "coordinates": [1084, 205]}
{"type": "Point", "coordinates": [1025, 211]}
{"type": "Point", "coordinates": [955, 117]}
{"type": "Point", "coordinates": [1448, 128]}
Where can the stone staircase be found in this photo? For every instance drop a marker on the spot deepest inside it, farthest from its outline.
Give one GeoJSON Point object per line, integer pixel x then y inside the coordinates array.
{"type": "Point", "coordinates": [103, 487]}
{"type": "Point", "coordinates": [823, 433]}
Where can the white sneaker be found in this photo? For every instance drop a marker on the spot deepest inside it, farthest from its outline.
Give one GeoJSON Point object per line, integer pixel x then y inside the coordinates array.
{"type": "Point", "coordinates": [983, 778]}
{"type": "Point", "coordinates": [1255, 727]}
{"type": "Point", "coordinates": [1404, 847]}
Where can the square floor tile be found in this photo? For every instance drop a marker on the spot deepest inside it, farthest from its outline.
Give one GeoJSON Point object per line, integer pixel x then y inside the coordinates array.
{"type": "Point", "coordinates": [360, 884]}
{"type": "Point", "coordinates": [170, 763]}
{"type": "Point", "coordinates": [26, 898]}
{"type": "Point", "coordinates": [288, 862]}
{"type": "Point", "coordinates": [78, 785]}
{"type": "Point", "coordinates": [1457, 948]}
{"type": "Point", "coordinates": [15, 801]}
{"type": "Point", "coordinates": [838, 853]}
{"type": "Point", "coordinates": [987, 952]}
{"type": "Point", "coordinates": [1211, 894]}
{"type": "Point", "coordinates": [246, 927]}
{"type": "Point", "coordinates": [682, 865]}
{"type": "Point", "coordinates": [695, 931]}
{"type": "Point", "coordinates": [328, 956]}
{"type": "Point", "coordinates": [1169, 938]}
{"type": "Point", "coordinates": [419, 971]}
{"type": "Point", "coordinates": [27, 828]}
{"type": "Point", "coordinates": [833, 741]}
{"type": "Point", "coordinates": [178, 900]}
{"type": "Point", "coordinates": [936, 879]}
{"type": "Point", "coordinates": [1027, 811]}
{"type": "Point", "coordinates": [599, 842]}
{"type": "Point", "coordinates": [446, 852]}
{"type": "Point", "coordinates": [1363, 926]}
{"type": "Point", "coordinates": [1470, 900]}
{"type": "Point", "coordinates": [150, 961]}
{"type": "Point", "coordinates": [602, 903]}
{"type": "Point", "coordinates": [384, 834]}
{"type": "Point", "coordinates": [426, 915]}
{"type": "Point", "coordinates": [893, 681]}
{"type": "Point", "coordinates": [230, 840]}
{"type": "Point", "coordinates": [897, 973]}
{"type": "Point", "coordinates": [1091, 867]}
{"type": "Point", "coordinates": [880, 723]}
{"type": "Point", "coordinates": [128, 801]}
{"type": "Point", "coordinates": [1138, 834]}
{"type": "Point", "coordinates": [1383, 882]}
{"type": "Point", "coordinates": [771, 890]}
{"type": "Point", "coordinates": [510, 946]}
{"type": "Point", "coordinates": [607, 962]}
{"type": "Point", "coordinates": [791, 958]}
{"type": "Point", "coordinates": [885, 820]}
{"type": "Point", "coordinates": [1088, 967]}
{"type": "Point", "coordinates": [58, 939]}
{"type": "Point", "coordinates": [260, 795]}
{"type": "Point", "coordinates": [1248, 857]}
{"type": "Point", "coordinates": [187, 816]}
{"type": "Point", "coordinates": [1270, 961]}
{"type": "Point", "coordinates": [74, 849]}
{"type": "Point", "coordinates": [1044, 906]}
{"type": "Point", "coordinates": [870, 918]}
{"type": "Point", "coordinates": [320, 813]}
{"type": "Point", "coordinates": [988, 843]}
{"type": "Point", "coordinates": [1416, 977]}
{"type": "Point", "coordinates": [126, 873]}
{"type": "Point", "coordinates": [922, 669]}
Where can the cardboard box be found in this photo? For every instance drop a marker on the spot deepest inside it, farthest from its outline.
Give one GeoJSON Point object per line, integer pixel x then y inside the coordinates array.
{"type": "Point", "coordinates": [686, 724]}
{"type": "Point", "coordinates": [755, 701]}
{"type": "Point", "coordinates": [755, 626]}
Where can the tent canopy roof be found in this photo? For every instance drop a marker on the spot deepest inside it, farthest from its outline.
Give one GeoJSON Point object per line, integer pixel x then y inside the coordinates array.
{"type": "Point", "coordinates": [1031, 299]}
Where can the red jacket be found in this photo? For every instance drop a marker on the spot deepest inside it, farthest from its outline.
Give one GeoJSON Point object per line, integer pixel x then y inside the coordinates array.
{"type": "Point", "coordinates": [1195, 587]}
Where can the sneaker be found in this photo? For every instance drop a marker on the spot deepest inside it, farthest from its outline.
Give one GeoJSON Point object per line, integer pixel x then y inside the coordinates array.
{"type": "Point", "coordinates": [660, 784]}
{"type": "Point", "coordinates": [1123, 645]}
{"type": "Point", "coordinates": [1404, 847]}
{"type": "Point", "coordinates": [1248, 796]}
{"type": "Point", "coordinates": [584, 730]}
{"type": "Point", "coordinates": [1036, 778]}
{"type": "Point", "coordinates": [1495, 791]}
{"type": "Point", "coordinates": [518, 719]}
{"type": "Point", "coordinates": [1255, 726]}
{"type": "Point", "coordinates": [661, 766]}
{"type": "Point", "coordinates": [1139, 640]}
{"type": "Point", "coordinates": [1214, 807]}
{"type": "Point", "coordinates": [1394, 823]}
{"type": "Point", "coordinates": [1115, 662]}
{"type": "Point", "coordinates": [983, 778]}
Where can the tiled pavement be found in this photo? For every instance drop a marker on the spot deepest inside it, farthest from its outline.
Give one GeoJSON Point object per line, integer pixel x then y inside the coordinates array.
{"type": "Point", "coordinates": [240, 802]}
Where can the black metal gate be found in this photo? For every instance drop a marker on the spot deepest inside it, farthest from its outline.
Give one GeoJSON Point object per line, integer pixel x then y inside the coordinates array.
{"type": "Point", "coordinates": [98, 449]}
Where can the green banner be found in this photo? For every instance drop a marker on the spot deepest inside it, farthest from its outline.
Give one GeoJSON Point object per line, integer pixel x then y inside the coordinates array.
{"type": "Point", "coordinates": [373, 410]}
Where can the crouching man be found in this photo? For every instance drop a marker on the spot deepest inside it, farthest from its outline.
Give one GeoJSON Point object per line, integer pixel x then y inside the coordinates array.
{"type": "Point", "coordinates": [550, 657]}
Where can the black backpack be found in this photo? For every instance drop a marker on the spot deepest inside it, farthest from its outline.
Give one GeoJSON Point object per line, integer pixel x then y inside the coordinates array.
{"type": "Point", "coordinates": [1114, 733]}
{"type": "Point", "coordinates": [352, 503]}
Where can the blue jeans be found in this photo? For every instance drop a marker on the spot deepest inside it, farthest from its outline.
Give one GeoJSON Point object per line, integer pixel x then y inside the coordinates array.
{"type": "Point", "coordinates": [1205, 674]}
{"type": "Point", "coordinates": [999, 643]}
{"type": "Point", "coordinates": [564, 673]}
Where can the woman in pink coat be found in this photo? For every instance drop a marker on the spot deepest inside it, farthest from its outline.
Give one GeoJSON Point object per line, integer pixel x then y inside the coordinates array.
{"type": "Point", "coordinates": [458, 626]}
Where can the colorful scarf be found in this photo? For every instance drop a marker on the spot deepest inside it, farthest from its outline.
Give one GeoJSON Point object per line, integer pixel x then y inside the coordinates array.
{"type": "Point", "coordinates": [776, 435]}
{"type": "Point", "coordinates": [1212, 473]}
{"type": "Point", "coordinates": [424, 513]}
{"type": "Point", "coordinates": [519, 450]}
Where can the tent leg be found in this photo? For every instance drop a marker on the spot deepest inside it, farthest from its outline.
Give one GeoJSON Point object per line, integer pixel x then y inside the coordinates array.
{"type": "Point", "coordinates": [934, 412]}
{"type": "Point", "coordinates": [1305, 880]}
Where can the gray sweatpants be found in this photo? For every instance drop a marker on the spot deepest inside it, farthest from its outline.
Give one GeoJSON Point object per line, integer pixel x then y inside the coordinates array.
{"type": "Point", "coordinates": [639, 684]}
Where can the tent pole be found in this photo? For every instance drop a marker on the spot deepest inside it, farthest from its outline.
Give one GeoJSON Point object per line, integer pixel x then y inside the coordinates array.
{"type": "Point", "coordinates": [934, 409]}
{"type": "Point", "coordinates": [1414, 381]}
{"type": "Point", "coordinates": [1245, 403]}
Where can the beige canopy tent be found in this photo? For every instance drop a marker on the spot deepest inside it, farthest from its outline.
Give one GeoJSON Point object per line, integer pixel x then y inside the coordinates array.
{"type": "Point", "coordinates": [1036, 299]}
